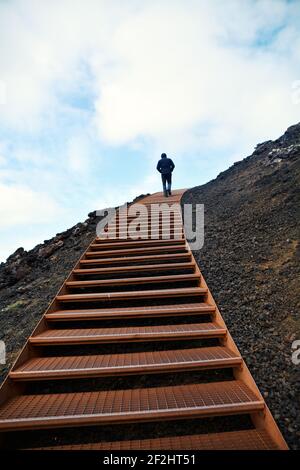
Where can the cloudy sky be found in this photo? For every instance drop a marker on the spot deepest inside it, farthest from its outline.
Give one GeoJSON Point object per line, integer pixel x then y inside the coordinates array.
{"type": "Point", "coordinates": [92, 91]}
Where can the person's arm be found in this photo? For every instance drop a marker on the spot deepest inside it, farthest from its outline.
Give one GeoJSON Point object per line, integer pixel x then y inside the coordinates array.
{"type": "Point", "coordinates": [172, 165]}
{"type": "Point", "coordinates": [158, 167]}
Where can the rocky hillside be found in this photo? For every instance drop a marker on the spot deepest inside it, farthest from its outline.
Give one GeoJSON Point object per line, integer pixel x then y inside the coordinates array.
{"type": "Point", "coordinates": [30, 279]}
{"type": "Point", "coordinates": [250, 260]}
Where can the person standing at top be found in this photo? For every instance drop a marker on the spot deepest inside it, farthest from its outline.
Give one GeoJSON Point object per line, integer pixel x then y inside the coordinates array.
{"type": "Point", "coordinates": [165, 167]}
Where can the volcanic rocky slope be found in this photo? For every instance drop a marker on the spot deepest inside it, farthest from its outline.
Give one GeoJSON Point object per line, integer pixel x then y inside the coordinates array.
{"type": "Point", "coordinates": [30, 279]}
{"type": "Point", "coordinates": [250, 260]}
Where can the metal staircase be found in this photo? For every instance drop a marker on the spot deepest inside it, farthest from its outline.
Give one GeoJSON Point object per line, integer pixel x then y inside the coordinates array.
{"type": "Point", "coordinates": [150, 296]}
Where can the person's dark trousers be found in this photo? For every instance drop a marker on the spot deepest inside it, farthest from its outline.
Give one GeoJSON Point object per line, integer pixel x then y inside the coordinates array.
{"type": "Point", "coordinates": [167, 183]}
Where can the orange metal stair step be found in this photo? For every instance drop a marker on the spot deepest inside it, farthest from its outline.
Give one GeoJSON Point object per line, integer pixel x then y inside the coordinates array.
{"type": "Point", "coordinates": [134, 280]}
{"type": "Point", "coordinates": [120, 406]}
{"type": "Point", "coordinates": [136, 268]}
{"type": "Point", "coordinates": [133, 243]}
{"type": "Point", "coordinates": [251, 439]}
{"type": "Point", "coordinates": [152, 220]}
{"type": "Point", "coordinates": [147, 294]}
{"type": "Point", "coordinates": [132, 251]}
{"type": "Point", "coordinates": [111, 241]}
{"type": "Point", "coordinates": [132, 312]}
{"type": "Point", "coordinates": [146, 229]}
{"type": "Point", "coordinates": [132, 259]}
{"type": "Point", "coordinates": [164, 227]}
{"type": "Point", "coordinates": [132, 333]}
{"type": "Point", "coordinates": [124, 364]}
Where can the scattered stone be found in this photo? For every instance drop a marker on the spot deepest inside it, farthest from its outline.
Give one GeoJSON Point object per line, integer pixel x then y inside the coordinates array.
{"type": "Point", "coordinates": [48, 250]}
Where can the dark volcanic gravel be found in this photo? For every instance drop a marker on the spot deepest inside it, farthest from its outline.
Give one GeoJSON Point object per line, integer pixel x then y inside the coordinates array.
{"type": "Point", "coordinates": [250, 261]}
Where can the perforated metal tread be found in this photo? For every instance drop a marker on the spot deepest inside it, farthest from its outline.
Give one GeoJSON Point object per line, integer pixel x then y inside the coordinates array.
{"type": "Point", "coordinates": [135, 268]}
{"type": "Point", "coordinates": [124, 364]}
{"type": "Point", "coordinates": [142, 294]}
{"type": "Point", "coordinates": [200, 308]}
{"type": "Point", "coordinates": [133, 333]}
{"type": "Point", "coordinates": [251, 439]}
{"type": "Point", "coordinates": [118, 406]}
{"type": "Point", "coordinates": [132, 243]}
{"type": "Point", "coordinates": [136, 251]}
{"type": "Point", "coordinates": [174, 234]}
{"type": "Point", "coordinates": [134, 280]}
{"type": "Point", "coordinates": [134, 259]}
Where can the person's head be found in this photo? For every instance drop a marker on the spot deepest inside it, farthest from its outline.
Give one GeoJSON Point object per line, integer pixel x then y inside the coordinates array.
{"type": "Point", "coordinates": [163, 155]}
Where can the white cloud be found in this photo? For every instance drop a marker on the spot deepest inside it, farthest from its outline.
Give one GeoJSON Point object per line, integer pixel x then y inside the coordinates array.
{"type": "Point", "coordinates": [199, 78]}
{"type": "Point", "coordinates": [78, 154]}
{"type": "Point", "coordinates": [22, 205]}
{"type": "Point", "coordinates": [2, 154]}
{"type": "Point", "coordinates": [114, 197]}
{"type": "Point", "coordinates": [42, 48]}
{"type": "Point", "coordinates": [28, 155]}
{"type": "Point", "coordinates": [9, 245]}
{"type": "Point", "coordinates": [2, 93]}
{"type": "Point", "coordinates": [160, 69]}
{"type": "Point", "coordinates": [180, 69]}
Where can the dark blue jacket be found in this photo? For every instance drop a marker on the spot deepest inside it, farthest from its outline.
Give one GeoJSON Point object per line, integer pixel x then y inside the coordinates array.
{"type": "Point", "coordinates": [165, 166]}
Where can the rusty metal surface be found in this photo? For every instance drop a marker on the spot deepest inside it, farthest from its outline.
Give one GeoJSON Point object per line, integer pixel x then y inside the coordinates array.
{"type": "Point", "coordinates": [133, 280]}
{"type": "Point", "coordinates": [235, 440]}
{"type": "Point", "coordinates": [147, 294]}
{"type": "Point", "coordinates": [139, 244]}
{"type": "Point", "coordinates": [140, 259]}
{"type": "Point", "coordinates": [117, 406]}
{"type": "Point", "coordinates": [137, 251]}
{"type": "Point", "coordinates": [132, 312]}
{"type": "Point", "coordinates": [132, 333]}
{"type": "Point", "coordinates": [126, 363]}
{"type": "Point", "coordinates": [139, 268]}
